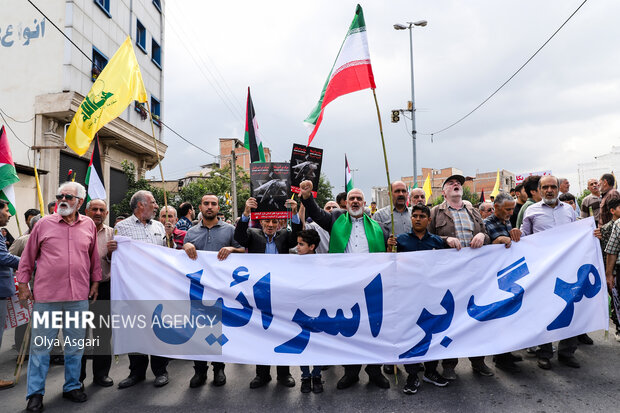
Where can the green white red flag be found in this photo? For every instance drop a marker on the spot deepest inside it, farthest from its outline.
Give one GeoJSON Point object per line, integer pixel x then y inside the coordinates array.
{"type": "Point", "coordinates": [348, 178]}
{"type": "Point", "coordinates": [351, 71]}
{"type": "Point", "coordinates": [94, 175]}
{"type": "Point", "coordinates": [252, 141]}
{"type": "Point", "coordinates": [8, 174]}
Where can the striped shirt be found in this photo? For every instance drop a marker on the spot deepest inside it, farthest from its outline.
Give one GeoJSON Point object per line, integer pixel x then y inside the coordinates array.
{"type": "Point", "coordinates": [153, 232]}
{"type": "Point", "coordinates": [463, 224]}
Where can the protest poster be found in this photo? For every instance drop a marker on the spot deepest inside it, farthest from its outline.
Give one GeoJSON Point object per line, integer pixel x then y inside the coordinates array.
{"type": "Point", "coordinates": [269, 184]}
{"type": "Point", "coordinates": [305, 165]}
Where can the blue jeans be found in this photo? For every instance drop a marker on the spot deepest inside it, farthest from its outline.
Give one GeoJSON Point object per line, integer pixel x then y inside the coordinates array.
{"type": "Point", "coordinates": [41, 342]}
{"type": "Point", "coordinates": [305, 371]}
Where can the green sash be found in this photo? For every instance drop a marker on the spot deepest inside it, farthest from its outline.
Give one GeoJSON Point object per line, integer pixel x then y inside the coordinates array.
{"type": "Point", "coordinates": [341, 232]}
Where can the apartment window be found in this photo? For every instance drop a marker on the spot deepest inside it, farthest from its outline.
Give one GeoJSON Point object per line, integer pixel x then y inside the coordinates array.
{"type": "Point", "coordinates": [157, 4]}
{"type": "Point", "coordinates": [99, 62]}
{"type": "Point", "coordinates": [155, 110]}
{"type": "Point", "coordinates": [156, 52]}
{"type": "Point", "coordinates": [140, 36]}
{"type": "Point", "coordinates": [104, 5]}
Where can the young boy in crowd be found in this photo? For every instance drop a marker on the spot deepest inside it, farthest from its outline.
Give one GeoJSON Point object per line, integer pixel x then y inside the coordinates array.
{"type": "Point", "coordinates": [419, 239]}
{"type": "Point", "coordinates": [307, 241]}
{"type": "Point", "coordinates": [614, 209]}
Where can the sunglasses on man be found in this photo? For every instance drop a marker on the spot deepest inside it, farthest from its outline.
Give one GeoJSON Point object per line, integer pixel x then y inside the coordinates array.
{"type": "Point", "coordinates": [68, 197]}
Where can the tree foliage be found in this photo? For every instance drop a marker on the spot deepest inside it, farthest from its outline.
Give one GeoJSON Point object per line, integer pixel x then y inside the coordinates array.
{"type": "Point", "coordinates": [135, 185]}
{"type": "Point", "coordinates": [324, 192]}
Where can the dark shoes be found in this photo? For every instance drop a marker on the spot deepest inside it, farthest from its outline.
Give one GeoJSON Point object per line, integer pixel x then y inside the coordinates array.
{"type": "Point", "coordinates": [379, 380]}
{"type": "Point", "coordinates": [35, 403]}
{"type": "Point", "coordinates": [435, 378]}
{"type": "Point", "coordinates": [161, 380]}
{"type": "Point", "coordinates": [482, 369]}
{"type": "Point", "coordinates": [75, 395]}
{"type": "Point", "coordinates": [449, 373]}
{"type": "Point", "coordinates": [317, 384]}
{"type": "Point", "coordinates": [508, 366]}
{"type": "Point", "coordinates": [569, 361]}
{"type": "Point", "coordinates": [199, 379]}
{"type": "Point", "coordinates": [413, 384]}
{"type": "Point", "coordinates": [347, 381]}
{"type": "Point", "coordinates": [130, 381]}
{"type": "Point", "coordinates": [544, 363]}
{"type": "Point", "coordinates": [286, 381]}
{"type": "Point", "coordinates": [390, 369]}
{"type": "Point", "coordinates": [219, 378]}
{"type": "Point", "coordinates": [103, 381]}
{"type": "Point", "coordinates": [585, 339]}
{"type": "Point", "coordinates": [306, 385]}
{"type": "Point", "coordinates": [259, 381]}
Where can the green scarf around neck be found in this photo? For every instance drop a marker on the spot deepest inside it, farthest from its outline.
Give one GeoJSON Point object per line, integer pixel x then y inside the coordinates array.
{"type": "Point", "coordinates": [341, 232]}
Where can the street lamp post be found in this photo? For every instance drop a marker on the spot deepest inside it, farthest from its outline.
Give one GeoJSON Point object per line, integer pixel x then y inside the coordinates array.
{"type": "Point", "coordinates": [409, 26]}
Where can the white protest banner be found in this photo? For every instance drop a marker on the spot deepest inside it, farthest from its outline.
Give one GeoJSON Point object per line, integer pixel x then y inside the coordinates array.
{"type": "Point", "coordinates": [361, 308]}
{"type": "Point", "coordinates": [521, 177]}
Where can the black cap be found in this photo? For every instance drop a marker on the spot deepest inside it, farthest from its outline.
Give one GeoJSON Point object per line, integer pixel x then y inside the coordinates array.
{"type": "Point", "coordinates": [459, 178]}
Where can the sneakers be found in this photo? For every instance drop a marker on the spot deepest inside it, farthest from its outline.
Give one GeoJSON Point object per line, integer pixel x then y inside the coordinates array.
{"type": "Point", "coordinates": [413, 384]}
{"type": "Point", "coordinates": [435, 378]}
{"type": "Point", "coordinates": [449, 373]}
{"type": "Point", "coordinates": [482, 369]}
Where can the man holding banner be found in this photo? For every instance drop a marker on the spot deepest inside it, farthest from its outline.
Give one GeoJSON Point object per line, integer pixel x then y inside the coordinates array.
{"type": "Point", "coordinates": [351, 231]}
{"type": "Point", "coordinates": [543, 215]}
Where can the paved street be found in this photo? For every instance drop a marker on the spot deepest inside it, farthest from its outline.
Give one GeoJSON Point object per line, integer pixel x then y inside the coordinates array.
{"type": "Point", "coordinates": [594, 387]}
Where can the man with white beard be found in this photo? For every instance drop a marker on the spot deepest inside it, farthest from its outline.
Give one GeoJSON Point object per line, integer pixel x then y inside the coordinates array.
{"type": "Point", "coordinates": [64, 246]}
{"type": "Point", "coordinates": [351, 231]}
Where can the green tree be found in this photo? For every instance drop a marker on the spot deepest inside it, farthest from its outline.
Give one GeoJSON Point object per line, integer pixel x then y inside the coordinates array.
{"type": "Point", "coordinates": [584, 194]}
{"type": "Point", "coordinates": [324, 192]}
{"type": "Point", "coordinates": [135, 185]}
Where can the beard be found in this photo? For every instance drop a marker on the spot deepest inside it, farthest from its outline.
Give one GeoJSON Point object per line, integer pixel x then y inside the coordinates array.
{"type": "Point", "coordinates": [550, 201]}
{"type": "Point", "coordinates": [65, 210]}
{"type": "Point", "coordinates": [355, 212]}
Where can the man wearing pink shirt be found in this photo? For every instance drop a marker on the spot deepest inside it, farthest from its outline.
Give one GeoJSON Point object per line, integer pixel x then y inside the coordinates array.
{"type": "Point", "coordinates": [64, 247]}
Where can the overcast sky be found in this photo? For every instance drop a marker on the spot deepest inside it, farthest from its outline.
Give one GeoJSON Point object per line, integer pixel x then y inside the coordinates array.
{"type": "Point", "coordinates": [562, 109]}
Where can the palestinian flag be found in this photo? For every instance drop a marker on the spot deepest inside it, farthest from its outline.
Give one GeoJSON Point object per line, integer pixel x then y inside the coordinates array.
{"type": "Point", "coordinates": [351, 71]}
{"type": "Point", "coordinates": [8, 174]}
{"type": "Point", "coordinates": [94, 175]}
{"type": "Point", "coordinates": [252, 136]}
{"type": "Point", "coordinates": [348, 179]}
{"type": "Point", "coordinates": [482, 196]}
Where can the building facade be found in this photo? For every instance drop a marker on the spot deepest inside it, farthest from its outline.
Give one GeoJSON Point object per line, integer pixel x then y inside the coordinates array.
{"type": "Point", "coordinates": [46, 78]}
{"type": "Point", "coordinates": [602, 164]}
{"type": "Point", "coordinates": [227, 145]}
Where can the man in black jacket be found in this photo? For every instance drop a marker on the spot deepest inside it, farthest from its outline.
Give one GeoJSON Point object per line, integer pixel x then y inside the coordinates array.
{"type": "Point", "coordinates": [268, 240]}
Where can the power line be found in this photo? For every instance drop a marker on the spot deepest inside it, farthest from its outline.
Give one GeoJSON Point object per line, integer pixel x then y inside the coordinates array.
{"type": "Point", "coordinates": [91, 60]}
{"type": "Point", "coordinates": [510, 78]}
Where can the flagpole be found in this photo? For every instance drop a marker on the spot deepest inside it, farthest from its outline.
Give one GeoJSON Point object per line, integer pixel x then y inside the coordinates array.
{"type": "Point", "coordinates": [39, 194]}
{"type": "Point", "coordinates": [169, 241]}
{"type": "Point", "coordinates": [387, 169]}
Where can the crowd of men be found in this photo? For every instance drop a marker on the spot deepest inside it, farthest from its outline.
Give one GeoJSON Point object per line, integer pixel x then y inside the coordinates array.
{"type": "Point", "coordinates": [63, 261]}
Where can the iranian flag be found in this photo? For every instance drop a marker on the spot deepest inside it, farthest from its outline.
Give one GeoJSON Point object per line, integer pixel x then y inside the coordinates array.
{"type": "Point", "coordinates": [348, 179]}
{"type": "Point", "coordinates": [94, 175]}
{"type": "Point", "coordinates": [8, 174]}
{"type": "Point", "coordinates": [252, 141]}
{"type": "Point", "coordinates": [351, 71]}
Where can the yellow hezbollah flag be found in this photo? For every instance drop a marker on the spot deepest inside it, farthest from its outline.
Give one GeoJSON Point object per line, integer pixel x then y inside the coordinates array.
{"type": "Point", "coordinates": [428, 190]}
{"type": "Point", "coordinates": [496, 187]}
{"type": "Point", "coordinates": [119, 83]}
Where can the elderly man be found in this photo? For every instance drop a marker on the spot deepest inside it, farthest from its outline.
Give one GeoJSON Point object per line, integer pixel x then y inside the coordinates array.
{"type": "Point", "coordinates": [592, 201]}
{"type": "Point", "coordinates": [459, 225]}
{"type": "Point", "coordinates": [606, 185]}
{"type": "Point", "coordinates": [323, 247]}
{"type": "Point", "coordinates": [187, 214]}
{"type": "Point", "coordinates": [486, 209]}
{"type": "Point", "coordinates": [141, 226]}
{"type": "Point", "coordinates": [64, 247]}
{"type": "Point", "coordinates": [402, 214]}
{"type": "Point", "coordinates": [211, 234]}
{"type": "Point", "coordinates": [548, 213]}
{"type": "Point", "coordinates": [268, 240]}
{"type": "Point", "coordinates": [417, 196]}
{"type": "Point", "coordinates": [97, 210]}
{"type": "Point", "coordinates": [351, 231]}
{"type": "Point", "coordinates": [501, 232]}
{"type": "Point", "coordinates": [169, 221]}
{"type": "Point", "coordinates": [7, 286]}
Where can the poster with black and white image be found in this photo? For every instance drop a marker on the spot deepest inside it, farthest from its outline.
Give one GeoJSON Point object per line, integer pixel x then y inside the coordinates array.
{"type": "Point", "coordinates": [269, 184]}
{"type": "Point", "coordinates": [305, 165]}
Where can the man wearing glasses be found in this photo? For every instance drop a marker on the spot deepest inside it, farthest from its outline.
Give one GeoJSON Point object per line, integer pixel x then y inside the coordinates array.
{"type": "Point", "coordinates": [64, 246]}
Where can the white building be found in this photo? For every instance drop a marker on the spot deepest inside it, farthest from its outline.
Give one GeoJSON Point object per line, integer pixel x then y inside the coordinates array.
{"type": "Point", "coordinates": [45, 79]}
{"type": "Point", "coordinates": [603, 164]}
